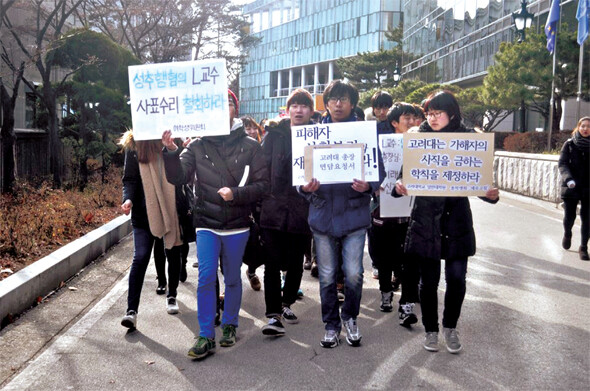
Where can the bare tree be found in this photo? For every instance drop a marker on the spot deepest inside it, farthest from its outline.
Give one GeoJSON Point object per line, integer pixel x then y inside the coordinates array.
{"type": "Point", "coordinates": [169, 30]}
{"type": "Point", "coordinates": [36, 30]}
{"type": "Point", "coordinates": [7, 105]}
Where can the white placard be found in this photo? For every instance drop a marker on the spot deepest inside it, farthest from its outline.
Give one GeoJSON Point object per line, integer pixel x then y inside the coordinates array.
{"type": "Point", "coordinates": [189, 98]}
{"type": "Point", "coordinates": [335, 163]}
{"type": "Point", "coordinates": [360, 132]}
{"type": "Point", "coordinates": [391, 146]}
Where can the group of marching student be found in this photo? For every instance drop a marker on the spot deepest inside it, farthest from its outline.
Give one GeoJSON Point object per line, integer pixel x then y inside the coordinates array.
{"type": "Point", "coordinates": [233, 173]}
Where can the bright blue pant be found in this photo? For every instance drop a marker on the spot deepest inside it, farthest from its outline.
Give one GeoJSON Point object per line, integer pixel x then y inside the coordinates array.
{"type": "Point", "coordinates": [210, 247]}
{"type": "Point", "coordinates": [329, 249]}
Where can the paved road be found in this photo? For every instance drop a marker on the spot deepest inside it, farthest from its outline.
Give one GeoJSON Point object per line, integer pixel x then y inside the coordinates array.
{"type": "Point", "coordinates": [525, 325]}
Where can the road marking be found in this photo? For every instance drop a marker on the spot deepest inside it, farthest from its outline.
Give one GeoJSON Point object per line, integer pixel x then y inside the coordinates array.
{"type": "Point", "coordinates": [65, 343]}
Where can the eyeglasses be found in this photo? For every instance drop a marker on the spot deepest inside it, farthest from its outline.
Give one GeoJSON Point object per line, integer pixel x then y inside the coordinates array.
{"type": "Point", "coordinates": [435, 114]}
{"type": "Point", "coordinates": [342, 99]}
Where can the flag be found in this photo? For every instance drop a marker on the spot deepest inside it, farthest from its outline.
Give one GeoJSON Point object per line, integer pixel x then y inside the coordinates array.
{"type": "Point", "coordinates": [551, 26]}
{"type": "Point", "coordinates": [582, 16]}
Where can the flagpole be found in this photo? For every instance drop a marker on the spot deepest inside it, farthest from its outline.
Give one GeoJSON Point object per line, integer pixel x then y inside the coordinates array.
{"type": "Point", "coordinates": [580, 67]}
{"type": "Point", "coordinates": [552, 100]}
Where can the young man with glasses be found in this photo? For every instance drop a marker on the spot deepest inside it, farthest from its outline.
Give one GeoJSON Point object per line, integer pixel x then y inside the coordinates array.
{"type": "Point", "coordinates": [339, 217]}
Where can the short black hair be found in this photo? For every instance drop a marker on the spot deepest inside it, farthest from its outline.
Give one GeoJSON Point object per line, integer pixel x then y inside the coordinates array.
{"type": "Point", "coordinates": [398, 109]}
{"type": "Point", "coordinates": [338, 88]}
{"type": "Point", "coordinates": [381, 99]}
{"type": "Point", "coordinates": [419, 111]}
{"type": "Point", "coordinates": [301, 97]}
{"type": "Point", "coordinates": [444, 100]}
{"type": "Point", "coordinates": [360, 114]}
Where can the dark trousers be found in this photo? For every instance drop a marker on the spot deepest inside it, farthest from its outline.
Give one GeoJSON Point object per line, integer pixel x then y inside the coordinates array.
{"type": "Point", "coordinates": [386, 248]}
{"type": "Point", "coordinates": [455, 273]}
{"type": "Point", "coordinates": [283, 251]}
{"type": "Point", "coordinates": [569, 217]}
{"type": "Point", "coordinates": [143, 243]}
{"type": "Point", "coordinates": [174, 258]}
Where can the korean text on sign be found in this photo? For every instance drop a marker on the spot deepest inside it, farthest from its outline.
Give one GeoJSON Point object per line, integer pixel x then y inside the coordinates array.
{"type": "Point", "coordinates": [189, 98]}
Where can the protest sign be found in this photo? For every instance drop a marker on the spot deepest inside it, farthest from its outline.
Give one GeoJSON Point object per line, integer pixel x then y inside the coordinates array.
{"type": "Point", "coordinates": [391, 146]}
{"type": "Point", "coordinates": [189, 98]}
{"type": "Point", "coordinates": [448, 164]}
{"type": "Point", "coordinates": [360, 132]}
{"type": "Point", "coordinates": [336, 163]}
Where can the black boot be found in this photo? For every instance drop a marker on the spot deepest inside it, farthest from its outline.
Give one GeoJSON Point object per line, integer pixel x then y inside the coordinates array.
{"type": "Point", "coordinates": [583, 251]}
{"type": "Point", "coordinates": [566, 242]}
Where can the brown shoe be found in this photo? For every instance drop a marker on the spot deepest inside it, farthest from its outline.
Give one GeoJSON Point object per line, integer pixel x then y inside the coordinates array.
{"type": "Point", "coordinates": [583, 251]}
{"type": "Point", "coordinates": [254, 281]}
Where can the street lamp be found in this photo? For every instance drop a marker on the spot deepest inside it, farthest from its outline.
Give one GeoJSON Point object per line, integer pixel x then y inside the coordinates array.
{"type": "Point", "coordinates": [522, 20]}
{"type": "Point", "coordinates": [396, 75]}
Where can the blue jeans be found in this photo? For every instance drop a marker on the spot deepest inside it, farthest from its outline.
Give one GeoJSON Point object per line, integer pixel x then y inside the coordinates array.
{"type": "Point", "coordinates": [328, 250]}
{"type": "Point", "coordinates": [210, 247]}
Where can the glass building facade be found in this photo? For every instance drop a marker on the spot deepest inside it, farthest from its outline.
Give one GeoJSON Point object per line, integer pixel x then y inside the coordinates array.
{"type": "Point", "coordinates": [454, 41]}
{"type": "Point", "coordinates": [301, 39]}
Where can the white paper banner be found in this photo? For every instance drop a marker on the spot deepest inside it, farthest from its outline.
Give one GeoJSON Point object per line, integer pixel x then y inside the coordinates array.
{"type": "Point", "coordinates": [364, 132]}
{"type": "Point", "coordinates": [391, 146]}
{"type": "Point", "coordinates": [189, 98]}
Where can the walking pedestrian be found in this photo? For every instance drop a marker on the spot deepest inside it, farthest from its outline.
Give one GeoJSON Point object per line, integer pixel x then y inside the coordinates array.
{"type": "Point", "coordinates": [218, 164]}
{"type": "Point", "coordinates": [152, 204]}
{"type": "Point", "coordinates": [574, 167]}
{"type": "Point", "coordinates": [285, 232]}
{"type": "Point", "coordinates": [442, 228]}
{"type": "Point", "coordinates": [339, 217]}
{"type": "Point", "coordinates": [387, 236]}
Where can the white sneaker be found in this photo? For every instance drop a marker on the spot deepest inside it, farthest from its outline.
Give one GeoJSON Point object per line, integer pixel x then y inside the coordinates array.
{"type": "Point", "coordinates": [353, 335]}
{"type": "Point", "coordinates": [171, 305]}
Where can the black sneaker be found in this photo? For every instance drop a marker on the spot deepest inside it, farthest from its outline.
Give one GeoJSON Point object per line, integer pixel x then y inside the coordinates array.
{"type": "Point", "coordinates": [406, 315]}
{"type": "Point", "coordinates": [129, 320]}
{"type": "Point", "coordinates": [289, 316]}
{"type": "Point", "coordinates": [307, 264]}
{"type": "Point", "coordinates": [395, 283]}
{"type": "Point", "coordinates": [274, 327]}
{"type": "Point", "coordinates": [314, 270]}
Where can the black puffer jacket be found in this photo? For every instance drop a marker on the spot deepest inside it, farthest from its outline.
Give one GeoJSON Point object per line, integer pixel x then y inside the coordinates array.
{"type": "Point", "coordinates": [283, 208]}
{"type": "Point", "coordinates": [574, 164]}
{"type": "Point", "coordinates": [238, 151]}
{"type": "Point", "coordinates": [441, 227]}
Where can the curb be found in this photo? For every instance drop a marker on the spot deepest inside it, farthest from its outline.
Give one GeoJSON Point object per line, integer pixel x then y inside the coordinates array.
{"type": "Point", "coordinates": [21, 290]}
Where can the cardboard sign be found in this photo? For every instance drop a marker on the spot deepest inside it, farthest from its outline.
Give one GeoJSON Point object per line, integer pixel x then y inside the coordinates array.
{"type": "Point", "coordinates": [359, 132]}
{"type": "Point", "coordinates": [189, 98]}
{"type": "Point", "coordinates": [336, 163]}
{"type": "Point", "coordinates": [448, 164]}
{"type": "Point", "coordinates": [391, 146]}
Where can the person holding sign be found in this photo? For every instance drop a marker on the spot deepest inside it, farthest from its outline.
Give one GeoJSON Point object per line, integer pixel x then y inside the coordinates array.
{"type": "Point", "coordinates": [284, 232]}
{"type": "Point", "coordinates": [154, 217]}
{"type": "Point", "coordinates": [231, 176]}
{"type": "Point", "coordinates": [387, 236]}
{"type": "Point", "coordinates": [442, 228]}
{"type": "Point", "coordinates": [339, 217]}
{"type": "Point", "coordinates": [574, 167]}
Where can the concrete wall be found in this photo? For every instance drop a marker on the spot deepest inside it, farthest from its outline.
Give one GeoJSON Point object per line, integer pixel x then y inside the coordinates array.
{"type": "Point", "coordinates": [21, 290]}
{"type": "Point", "coordinates": [528, 174]}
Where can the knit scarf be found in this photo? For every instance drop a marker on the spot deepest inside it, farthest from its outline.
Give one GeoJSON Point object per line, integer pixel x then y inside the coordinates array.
{"type": "Point", "coordinates": [581, 142]}
{"type": "Point", "coordinates": [160, 202]}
